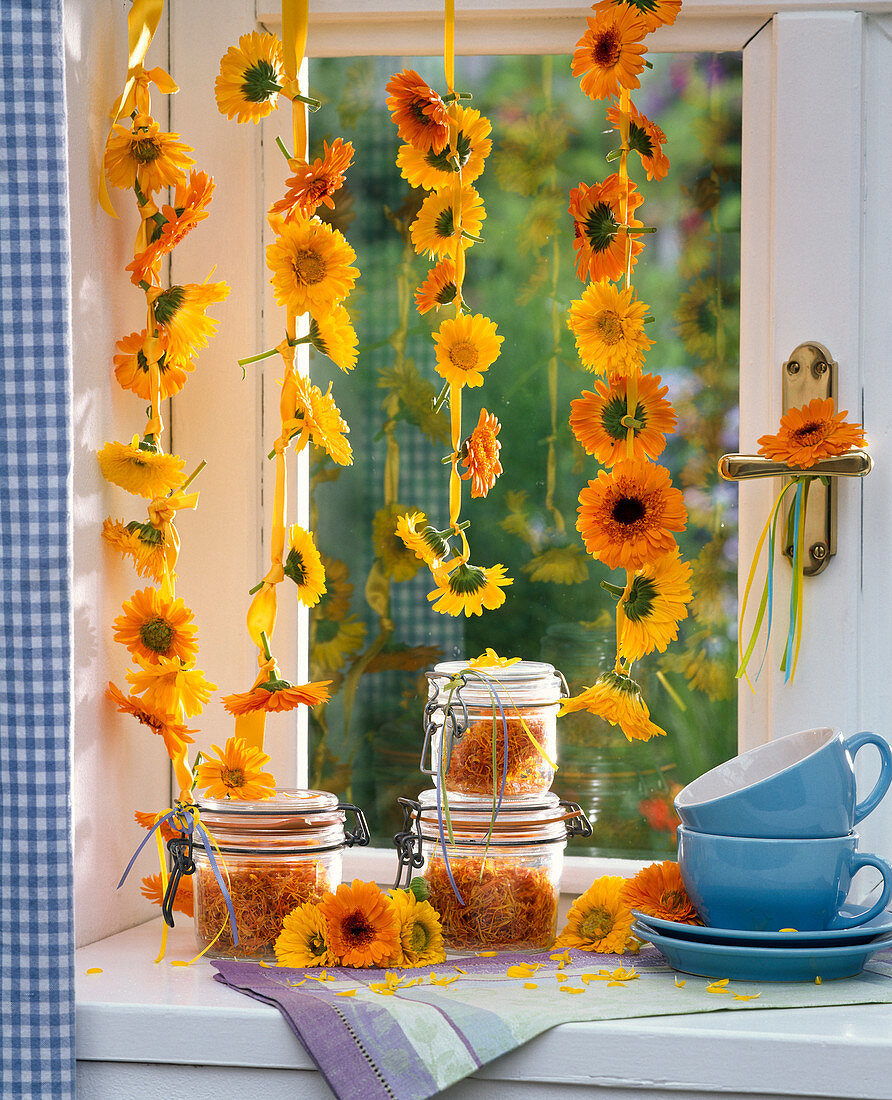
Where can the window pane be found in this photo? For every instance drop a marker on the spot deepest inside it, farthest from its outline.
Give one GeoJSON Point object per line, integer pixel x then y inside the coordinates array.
{"type": "Point", "coordinates": [374, 630]}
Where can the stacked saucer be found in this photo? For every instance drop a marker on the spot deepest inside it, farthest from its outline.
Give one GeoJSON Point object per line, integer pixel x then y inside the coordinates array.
{"type": "Point", "coordinates": [767, 852]}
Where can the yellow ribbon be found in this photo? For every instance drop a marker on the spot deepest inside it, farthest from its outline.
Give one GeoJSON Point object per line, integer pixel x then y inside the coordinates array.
{"type": "Point", "coordinates": [295, 21]}
{"type": "Point", "coordinates": [142, 22]}
{"type": "Point", "coordinates": [162, 511]}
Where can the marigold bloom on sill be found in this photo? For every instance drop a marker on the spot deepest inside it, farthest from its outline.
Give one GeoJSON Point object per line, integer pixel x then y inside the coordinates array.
{"type": "Point", "coordinates": [174, 735]}
{"type": "Point", "coordinates": [600, 243]}
{"type": "Point", "coordinates": [277, 699]}
{"type": "Point", "coordinates": [145, 473]}
{"type": "Point", "coordinates": [646, 139]}
{"type": "Point", "coordinates": [183, 902]}
{"type": "Point", "coordinates": [596, 419]}
{"type": "Point", "coordinates": [304, 939]}
{"type": "Point", "coordinates": [469, 589]}
{"type": "Point", "coordinates": [658, 891]}
{"type": "Point", "coordinates": [438, 289]}
{"type": "Point", "coordinates": [146, 155]}
{"type": "Point", "coordinates": [433, 231]}
{"type": "Point", "coordinates": [812, 433]}
{"type": "Point", "coordinates": [608, 324]}
{"type": "Point", "coordinates": [599, 920]}
{"type": "Point", "coordinates": [435, 170]}
{"type": "Point", "coordinates": [466, 347]}
{"type": "Point", "coordinates": [363, 924]}
{"type": "Point", "coordinates": [421, 933]}
{"type": "Point", "coordinates": [237, 772]}
{"type": "Point", "coordinates": [397, 559]}
{"type": "Point", "coordinates": [480, 455]}
{"type": "Point", "coordinates": [312, 185]}
{"type": "Point", "coordinates": [180, 315]}
{"type": "Point", "coordinates": [303, 565]}
{"type": "Point", "coordinates": [617, 699]}
{"type": "Point", "coordinates": [250, 78]}
{"type": "Point", "coordinates": [609, 55]}
{"type": "Point", "coordinates": [654, 606]}
{"type": "Point", "coordinates": [418, 111]}
{"type": "Point", "coordinates": [189, 208]}
{"type": "Point", "coordinates": [170, 687]}
{"type": "Point", "coordinates": [628, 515]}
{"type": "Point", "coordinates": [132, 368]}
{"type": "Point", "coordinates": [155, 626]}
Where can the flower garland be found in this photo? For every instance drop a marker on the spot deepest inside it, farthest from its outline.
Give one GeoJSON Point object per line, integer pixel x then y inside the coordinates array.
{"type": "Point", "coordinates": [312, 275]}
{"type": "Point", "coordinates": [156, 627]}
{"type": "Point", "coordinates": [630, 514]}
{"type": "Point", "coordinates": [445, 147]}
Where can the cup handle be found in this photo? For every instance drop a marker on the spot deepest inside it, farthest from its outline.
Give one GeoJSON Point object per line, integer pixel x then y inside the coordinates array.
{"type": "Point", "coordinates": [866, 859]}
{"type": "Point", "coordinates": [858, 741]}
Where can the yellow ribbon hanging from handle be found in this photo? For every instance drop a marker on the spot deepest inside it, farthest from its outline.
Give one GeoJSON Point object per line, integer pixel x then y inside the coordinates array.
{"type": "Point", "coordinates": [295, 22]}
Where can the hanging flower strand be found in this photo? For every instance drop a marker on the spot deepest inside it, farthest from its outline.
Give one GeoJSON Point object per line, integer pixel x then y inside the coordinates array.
{"type": "Point", "coordinates": [446, 145]}
{"type": "Point", "coordinates": [630, 514]}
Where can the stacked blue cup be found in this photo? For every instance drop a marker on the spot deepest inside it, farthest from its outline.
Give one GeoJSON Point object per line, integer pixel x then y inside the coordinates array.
{"type": "Point", "coordinates": [768, 842]}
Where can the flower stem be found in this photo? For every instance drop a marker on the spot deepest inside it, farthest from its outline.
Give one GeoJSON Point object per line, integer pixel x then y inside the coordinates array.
{"type": "Point", "coordinates": [256, 588]}
{"type": "Point", "coordinates": [256, 358]}
{"type": "Point", "coordinates": [441, 398]}
{"type": "Point", "coordinates": [201, 465]}
{"type": "Point", "coordinates": [283, 148]}
{"type": "Point", "coordinates": [265, 641]}
{"type": "Point", "coordinates": [615, 590]}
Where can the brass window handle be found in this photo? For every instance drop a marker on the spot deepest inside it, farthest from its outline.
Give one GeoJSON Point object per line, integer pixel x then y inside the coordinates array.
{"type": "Point", "coordinates": [745, 467]}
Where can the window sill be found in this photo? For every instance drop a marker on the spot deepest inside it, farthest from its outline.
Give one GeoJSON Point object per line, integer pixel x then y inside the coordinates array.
{"type": "Point", "coordinates": [142, 1026]}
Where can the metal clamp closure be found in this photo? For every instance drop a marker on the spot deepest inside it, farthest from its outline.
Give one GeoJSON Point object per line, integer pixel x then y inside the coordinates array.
{"type": "Point", "coordinates": [360, 833]}
{"type": "Point", "coordinates": [577, 822]}
{"type": "Point", "coordinates": [408, 856]}
{"type": "Point", "coordinates": [451, 731]}
{"type": "Point", "coordinates": [180, 848]}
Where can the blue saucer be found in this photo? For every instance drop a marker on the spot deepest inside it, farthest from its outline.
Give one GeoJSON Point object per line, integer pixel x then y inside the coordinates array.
{"type": "Point", "coordinates": [763, 964]}
{"type": "Point", "coordinates": [828, 937]}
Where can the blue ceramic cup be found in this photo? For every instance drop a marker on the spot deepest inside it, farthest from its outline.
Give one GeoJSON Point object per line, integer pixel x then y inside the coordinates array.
{"type": "Point", "coordinates": [798, 786]}
{"type": "Point", "coordinates": [765, 885]}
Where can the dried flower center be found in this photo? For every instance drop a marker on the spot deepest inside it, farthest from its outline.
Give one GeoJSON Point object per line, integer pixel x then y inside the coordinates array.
{"type": "Point", "coordinates": [596, 924]}
{"type": "Point", "coordinates": [308, 266]}
{"type": "Point", "coordinates": [232, 777]}
{"type": "Point", "coordinates": [607, 47]}
{"type": "Point", "coordinates": [295, 567]}
{"type": "Point", "coordinates": [810, 434]}
{"type": "Point", "coordinates": [609, 327]}
{"type": "Point", "coordinates": [628, 510]}
{"type": "Point", "coordinates": [145, 150]}
{"type": "Point", "coordinates": [259, 83]}
{"type": "Point", "coordinates": [156, 634]}
{"type": "Point", "coordinates": [464, 355]}
{"type": "Point", "coordinates": [357, 929]}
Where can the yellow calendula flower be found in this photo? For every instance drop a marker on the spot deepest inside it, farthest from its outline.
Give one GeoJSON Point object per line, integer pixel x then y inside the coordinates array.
{"type": "Point", "coordinates": [154, 626]}
{"type": "Point", "coordinates": [144, 154]}
{"type": "Point", "coordinates": [304, 566]}
{"type": "Point", "coordinates": [438, 289]}
{"type": "Point", "coordinates": [139, 470]}
{"type": "Point", "coordinates": [317, 418]}
{"type": "Point", "coordinates": [334, 643]}
{"type": "Point", "coordinates": [141, 542]}
{"type": "Point", "coordinates": [180, 315]}
{"type": "Point", "coordinates": [397, 559]}
{"type": "Point", "coordinates": [436, 170]}
{"type": "Point", "coordinates": [310, 263]}
{"type": "Point", "coordinates": [601, 423]}
{"type": "Point", "coordinates": [654, 606]}
{"type": "Point", "coordinates": [466, 347]}
{"type": "Point", "coordinates": [236, 772]}
{"type": "Point", "coordinates": [469, 589]}
{"type": "Point", "coordinates": [170, 687]}
{"type": "Point", "coordinates": [421, 933]}
{"type": "Point", "coordinates": [423, 540]}
{"type": "Point", "coordinates": [558, 565]}
{"type": "Point", "coordinates": [599, 920]}
{"type": "Point", "coordinates": [617, 699]}
{"type": "Point", "coordinates": [174, 734]}
{"type": "Point", "coordinates": [276, 695]}
{"type": "Point", "coordinates": [433, 231]}
{"type": "Point", "coordinates": [335, 337]}
{"type": "Point", "coordinates": [251, 77]}
{"type": "Point", "coordinates": [304, 939]}
{"type": "Point", "coordinates": [608, 324]}
{"type": "Point", "coordinates": [132, 367]}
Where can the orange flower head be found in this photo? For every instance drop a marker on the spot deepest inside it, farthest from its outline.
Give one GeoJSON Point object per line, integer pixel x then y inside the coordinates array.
{"type": "Point", "coordinates": [608, 324]}
{"type": "Point", "coordinates": [146, 155]}
{"type": "Point", "coordinates": [646, 139]}
{"type": "Point", "coordinates": [189, 208]}
{"type": "Point", "coordinates": [609, 56]}
{"type": "Point", "coordinates": [436, 170]}
{"type": "Point", "coordinates": [466, 347]}
{"type": "Point", "coordinates": [237, 772]}
{"type": "Point", "coordinates": [628, 515]}
{"type": "Point", "coordinates": [433, 231]}
{"type": "Point", "coordinates": [363, 924]}
{"type": "Point", "coordinates": [418, 112]}
{"type": "Point", "coordinates": [653, 13]}
{"type": "Point", "coordinates": [174, 735]}
{"type": "Point", "coordinates": [132, 367]}
{"type": "Point", "coordinates": [277, 695]}
{"type": "Point", "coordinates": [155, 626]}
{"type": "Point", "coordinates": [141, 542]}
{"type": "Point", "coordinates": [599, 240]}
{"type": "Point", "coordinates": [812, 433]}
{"type": "Point", "coordinates": [658, 891]}
{"type": "Point", "coordinates": [311, 265]}
{"type": "Point", "coordinates": [183, 902]}
{"type": "Point", "coordinates": [438, 289]}
{"type": "Point", "coordinates": [596, 419]}
{"type": "Point", "coordinates": [312, 185]}
{"type": "Point", "coordinates": [480, 454]}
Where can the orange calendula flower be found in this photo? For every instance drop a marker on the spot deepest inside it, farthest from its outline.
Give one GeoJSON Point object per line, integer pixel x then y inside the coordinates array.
{"type": "Point", "coordinates": [334, 336]}
{"type": "Point", "coordinates": [469, 589]}
{"type": "Point", "coordinates": [180, 315]}
{"type": "Point", "coordinates": [189, 208]}
{"type": "Point", "coordinates": [418, 112]}
{"type": "Point", "coordinates": [312, 185]}
{"type": "Point", "coordinates": [170, 687]}
{"type": "Point", "coordinates": [658, 891]}
{"type": "Point", "coordinates": [277, 695]}
{"type": "Point", "coordinates": [599, 240]}
{"type": "Point", "coordinates": [653, 13]}
{"type": "Point", "coordinates": [438, 289]}
{"type": "Point", "coordinates": [174, 735]}
{"type": "Point", "coordinates": [144, 154]}
{"type": "Point", "coordinates": [601, 423]}
{"type": "Point", "coordinates": [363, 924]}
{"type": "Point", "coordinates": [251, 77]}
{"type": "Point", "coordinates": [653, 606]}
{"type": "Point", "coordinates": [183, 902]}
{"type": "Point", "coordinates": [317, 417]}
{"type": "Point", "coordinates": [304, 566]}
{"type": "Point", "coordinates": [480, 454]}
{"type": "Point", "coordinates": [608, 324]}
{"type": "Point", "coordinates": [433, 231]}
{"type": "Point", "coordinates": [627, 516]}
{"type": "Point", "coordinates": [599, 920]}
{"type": "Point", "coordinates": [310, 263]}
{"type": "Point", "coordinates": [617, 699]}
{"type": "Point", "coordinates": [141, 542]}
{"type": "Point", "coordinates": [646, 139]}
{"type": "Point", "coordinates": [610, 54]}
{"type": "Point", "coordinates": [140, 470]}
{"type": "Point", "coordinates": [812, 433]}
{"type": "Point", "coordinates": [304, 939]}
{"type": "Point", "coordinates": [466, 347]}
{"type": "Point", "coordinates": [435, 170]}
{"type": "Point", "coordinates": [397, 559]}
{"type": "Point", "coordinates": [237, 772]}
{"type": "Point", "coordinates": [132, 367]}
{"type": "Point", "coordinates": [154, 626]}
{"type": "Point", "coordinates": [424, 541]}
{"type": "Point", "coordinates": [147, 821]}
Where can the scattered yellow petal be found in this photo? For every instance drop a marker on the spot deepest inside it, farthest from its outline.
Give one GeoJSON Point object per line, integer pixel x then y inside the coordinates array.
{"type": "Point", "coordinates": [323, 977]}
{"type": "Point", "coordinates": [818, 980]}
{"type": "Point", "coordinates": [434, 980]}
{"type": "Point", "coordinates": [565, 955]}
{"type": "Point", "coordinates": [179, 962]}
{"type": "Point", "coordinates": [294, 985]}
{"type": "Point", "coordinates": [486, 954]}
{"type": "Point", "coordinates": [788, 929]}
{"type": "Point", "coordinates": [745, 996]}
{"type": "Point", "coordinates": [346, 993]}
{"type": "Point", "coordinates": [521, 970]}
{"type": "Point", "coordinates": [266, 966]}
{"type": "Point", "coordinates": [718, 986]}
{"type": "Point", "coordinates": [530, 985]}
{"type": "Point", "coordinates": [379, 987]}
{"type": "Point", "coordinates": [572, 989]}
{"type": "Point", "coordinates": [94, 970]}
{"type": "Point", "coordinates": [459, 969]}
{"type": "Point", "coordinates": [679, 983]}
{"type": "Point", "coordinates": [560, 977]}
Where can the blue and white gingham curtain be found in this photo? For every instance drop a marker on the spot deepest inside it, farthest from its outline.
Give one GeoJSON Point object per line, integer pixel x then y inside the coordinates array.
{"type": "Point", "coordinates": [36, 928]}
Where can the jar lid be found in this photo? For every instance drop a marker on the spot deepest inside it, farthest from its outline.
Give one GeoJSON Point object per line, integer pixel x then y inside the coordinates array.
{"type": "Point", "coordinates": [292, 819]}
{"type": "Point", "coordinates": [524, 682]}
{"type": "Point", "coordinates": [537, 820]}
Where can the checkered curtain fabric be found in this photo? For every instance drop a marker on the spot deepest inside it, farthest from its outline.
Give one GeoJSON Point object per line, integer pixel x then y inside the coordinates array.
{"type": "Point", "coordinates": [36, 930]}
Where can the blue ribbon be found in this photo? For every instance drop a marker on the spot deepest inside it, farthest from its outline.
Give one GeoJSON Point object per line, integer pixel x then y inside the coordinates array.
{"type": "Point", "coordinates": [185, 820]}
{"type": "Point", "coordinates": [787, 663]}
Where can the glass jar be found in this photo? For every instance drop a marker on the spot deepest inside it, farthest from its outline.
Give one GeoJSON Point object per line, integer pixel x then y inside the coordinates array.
{"type": "Point", "coordinates": [273, 855]}
{"type": "Point", "coordinates": [515, 707]}
{"type": "Point", "coordinates": [507, 872]}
